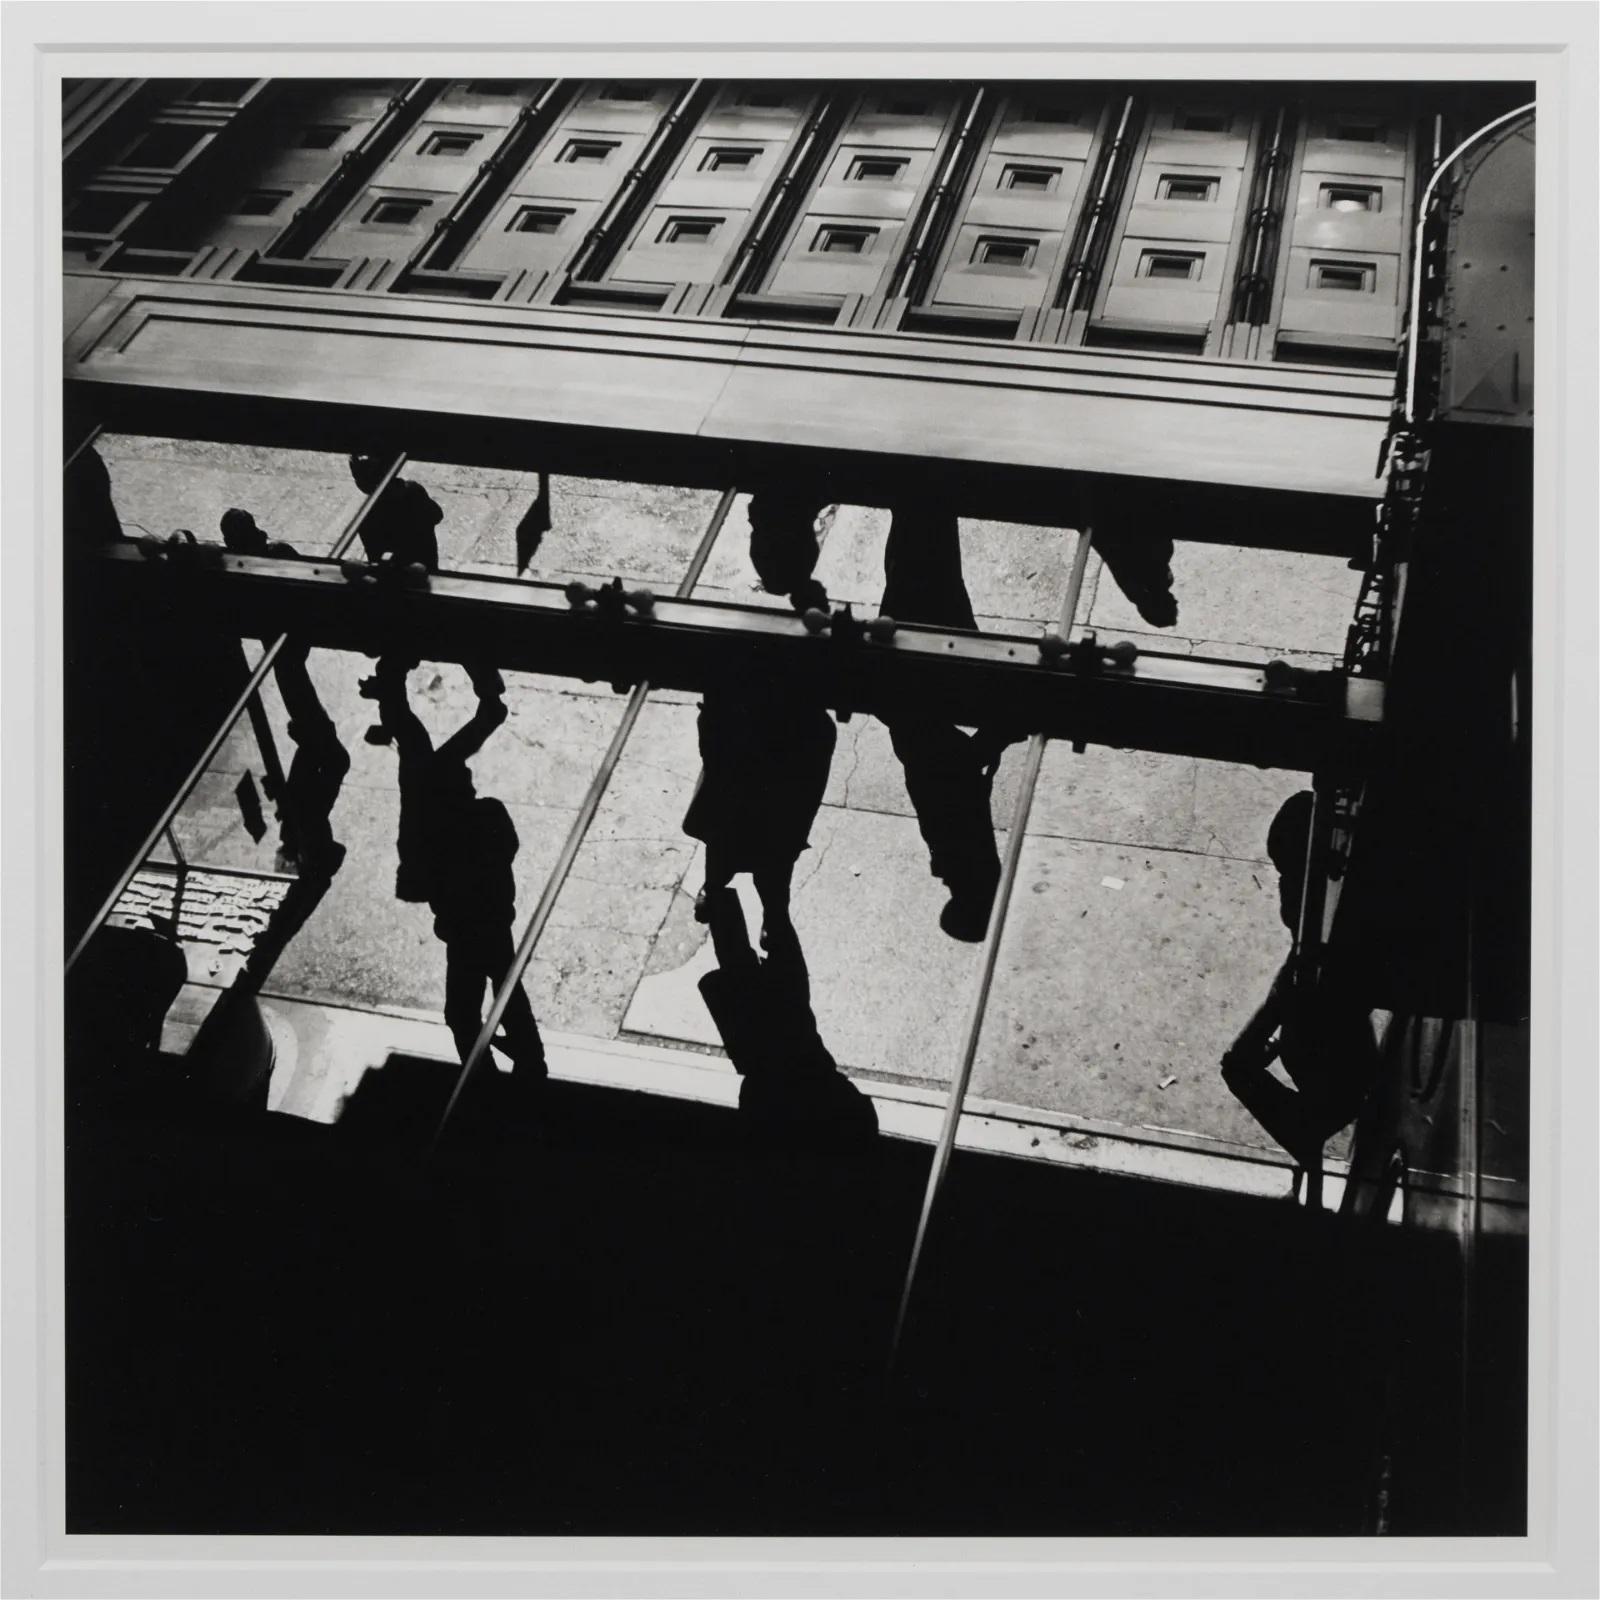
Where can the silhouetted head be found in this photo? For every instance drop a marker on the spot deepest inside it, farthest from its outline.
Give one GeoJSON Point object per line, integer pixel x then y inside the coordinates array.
{"type": "Point", "coordinates": [367, 471]}
{"type": "Point", "coordinates": [239, 532]}
{"type": "Point", "coordinates": [783, 539]}
{"type": "Point", "coordinates": [1288, 843]}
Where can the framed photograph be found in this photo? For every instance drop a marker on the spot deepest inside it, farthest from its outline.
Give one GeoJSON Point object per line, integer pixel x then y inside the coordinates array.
{"type": "Point", "coordinates": [802, 799]}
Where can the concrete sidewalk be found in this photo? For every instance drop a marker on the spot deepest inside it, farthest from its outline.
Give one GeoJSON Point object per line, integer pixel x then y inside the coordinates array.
{"type": "Point", "coordinates": [1144, 928]}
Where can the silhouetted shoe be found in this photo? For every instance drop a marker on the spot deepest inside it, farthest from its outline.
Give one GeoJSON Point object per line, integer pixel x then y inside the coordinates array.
{"type": "Point", "coordinates": [378, 734]}
{"type": "Point", "coordinates": [779, 936]}
{"type": "Point", "coordinates": [526, 1084]}
{"type": "Point", "coordinates": [1159, 610]}
{"type": "Point", "coordinates": [369, 688]}
{"type": "Point", "coordinates": [966, 919]}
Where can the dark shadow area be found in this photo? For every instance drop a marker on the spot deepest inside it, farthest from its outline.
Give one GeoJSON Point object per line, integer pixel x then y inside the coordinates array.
{"type": "Point", "coordinates": [634, 1318]}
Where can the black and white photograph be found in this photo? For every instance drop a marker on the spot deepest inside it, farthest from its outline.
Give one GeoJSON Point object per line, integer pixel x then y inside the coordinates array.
{"type": "Point", "coordinates": [797, 804]}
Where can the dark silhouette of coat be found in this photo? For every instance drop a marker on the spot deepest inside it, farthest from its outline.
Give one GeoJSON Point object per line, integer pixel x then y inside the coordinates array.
{"type": "Point", "coordinates": [765, 749]}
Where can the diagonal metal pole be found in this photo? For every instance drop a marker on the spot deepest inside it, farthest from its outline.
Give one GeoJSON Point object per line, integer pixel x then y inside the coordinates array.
{"type": "Point", "coordinates": [574, 840]}
{"type": "Point", "coordinates": [217, 740]}
{"type": "Point", "coordinates": [991, 950]}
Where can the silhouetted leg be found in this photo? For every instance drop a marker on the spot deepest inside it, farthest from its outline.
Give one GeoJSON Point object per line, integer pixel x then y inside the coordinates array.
{"type": "Point", "coordinates": [772, 884]}
{"type": "Point", "coordinates": [1282, 1111]}
{"type": "Point", "coordinates": [465, 976]}
{"type": "Point", "coordinates": [730, 937]}
{"type": "Point", "coordinates": [1140, 565]}
{"type": "Point", "coordinates": [522, 1041]}
{"type": "Point", "coordinates": [949, 791]}
{"type": "Point", "coordinates": [300, 698]}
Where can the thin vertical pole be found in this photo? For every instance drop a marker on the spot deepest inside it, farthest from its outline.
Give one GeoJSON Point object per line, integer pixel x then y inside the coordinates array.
{"type": "Point", "coordinates": [991, 950]}
{"type": "Point", "coordinates": [215, 743]}
{"type": "Point", "coordinates": [574, 840]}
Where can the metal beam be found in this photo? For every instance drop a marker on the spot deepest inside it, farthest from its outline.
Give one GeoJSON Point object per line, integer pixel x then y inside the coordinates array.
{"type": "Point", "coordinates": [1259, 713]}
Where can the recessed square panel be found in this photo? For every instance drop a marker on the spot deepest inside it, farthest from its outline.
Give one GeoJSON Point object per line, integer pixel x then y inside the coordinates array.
{"type": "Point", "coordinates": [538, 219]}
{"type": "Point", "coordinates": [1350, 197]}
{"type": "Point", "coordinates": [1353, 277]}
{"type": "Point", "coordinates": [875, 169]}
{"type": "Point", "coordinates": [761, 97]}
{"type": "Point", "coordinates": [729, 158]}
{"type": "Point", "coordinates": [1025, 178]}
{"type": "Point", "coordinates": [995, 250]}
{"type": "Point", "coordinates": [260, 202]}
{"type": "Point", "coordinates": [587, 152]}
{"type": "Point", "coordinates": [394, 213]}
{"type": "Point", "coordinates": [1178, 266]}
{"type": "Point", "coordinates": [1357, 129]}
{"type": "Point", "coordinates": [449, 144]}
{"type": "Point", "coordinates": [689, 230]}
{"type": "Point", "coordinates": [1184, 186]}
{"type": "Point", "coordinates": [321, 135]}
{"type": "Point", "coordinates": [835, 240]}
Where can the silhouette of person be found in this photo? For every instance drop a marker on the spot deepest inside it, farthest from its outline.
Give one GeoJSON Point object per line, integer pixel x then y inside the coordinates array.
{"type": "Point", "coordinates": [89, 512]}
{"type": "Point", "coordinates": [949, 773]}
{"type": "Point", "coordinates": [1320, 1030]}
{"type": "Point", "coordinates": [793, 1090]}
{"type": "Point", "coordinates": [1140, 564]}
{"type": "Point", "coordinates": [317, 772]}
{"type": "Point", "coordinates": [765, 743]}
{"type": "Point", "coordinates": [241, 535]}
{"type": "Point", "coordinates": [400, 527]}
{"type": "Point", "coordinates": [398, 533]}
{"type": "Point", "coordinates": [457, 849]}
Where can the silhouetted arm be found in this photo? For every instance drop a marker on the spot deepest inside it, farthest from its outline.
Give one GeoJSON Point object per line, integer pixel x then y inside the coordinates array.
{"type": "Point", "coordinates": [410, 737]}
{"type": "Point", "coordinates": [469, 739]}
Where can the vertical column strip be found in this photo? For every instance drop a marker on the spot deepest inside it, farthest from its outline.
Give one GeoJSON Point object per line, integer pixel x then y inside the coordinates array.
{"type": "Point", "coordinates": [778, 207]}
{"type": "Point", "coordinates": [602, 241]}
{"type": "Point", "coordinates": [215, 743]}
{"type": "Point", "coordinates": [1083, 269]}
{"type": "Point", "coordinates": [575, 837]}
{"type": "Point", "coordinates": [1252, 289]}
{"type": "Point", "coordinates": [991, 950]}
{"type": "Point", "coordinates": [450, 234]}
{"type": "Point", "coordinates": [916, 261]}
{"type": "Point", "coordinates": [317, 215]}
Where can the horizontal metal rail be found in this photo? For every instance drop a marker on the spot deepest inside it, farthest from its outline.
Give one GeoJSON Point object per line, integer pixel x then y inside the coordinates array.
{"type": "Point", "coordinates": [1262, 713]}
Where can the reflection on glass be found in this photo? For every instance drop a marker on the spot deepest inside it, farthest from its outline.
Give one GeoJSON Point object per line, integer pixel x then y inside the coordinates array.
{"type": "Point", "coordinates": [766, 742]}
{"type": "Point", "coordinates": [949, 772]}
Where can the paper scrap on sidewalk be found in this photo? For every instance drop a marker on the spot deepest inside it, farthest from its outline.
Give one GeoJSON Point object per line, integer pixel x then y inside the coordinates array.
{"type": "Point", "coordinates": [1111, 883]}
{"type": "Point", "coordinates": [1168, 1081]}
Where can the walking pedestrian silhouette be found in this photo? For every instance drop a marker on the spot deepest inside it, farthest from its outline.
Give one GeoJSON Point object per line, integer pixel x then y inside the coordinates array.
{"type": "Point", "coordinates": [766, 743]}
{"type": "Point", "coordinates": [457, 850]}
{"type": "Point", "coordinates": [1314, 1024]}
{"type": "Point", "coordinates": [949, 772]}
